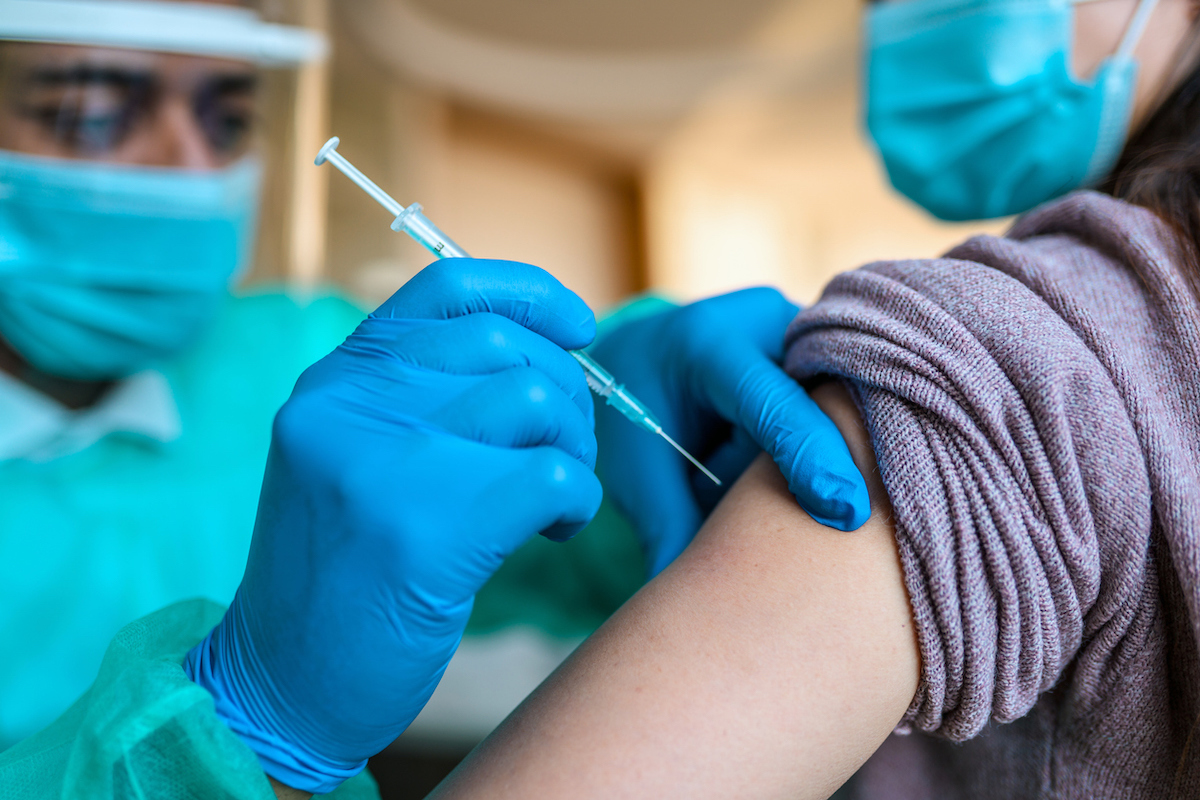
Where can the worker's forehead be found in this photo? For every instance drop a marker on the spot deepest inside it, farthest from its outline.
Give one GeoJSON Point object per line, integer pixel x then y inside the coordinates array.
{"type": "Point", "coordinates": [24, 55]}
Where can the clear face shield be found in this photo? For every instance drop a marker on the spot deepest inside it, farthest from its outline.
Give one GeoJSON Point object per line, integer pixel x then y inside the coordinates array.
{"type": "Point", "coordinates": [129, 185]}
{"type": "Point", "coordinates": [125, 106]}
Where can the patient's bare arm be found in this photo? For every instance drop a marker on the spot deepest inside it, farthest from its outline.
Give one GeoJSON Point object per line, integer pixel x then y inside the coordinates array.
{"type": "Point", "coordinates": [770, 660]}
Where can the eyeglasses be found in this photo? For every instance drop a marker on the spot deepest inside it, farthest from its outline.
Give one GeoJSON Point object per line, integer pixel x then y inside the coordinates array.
{"type": "Point", "coordinates": [93, 109]}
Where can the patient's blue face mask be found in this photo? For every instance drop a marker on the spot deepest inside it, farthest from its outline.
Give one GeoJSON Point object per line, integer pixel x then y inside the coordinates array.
{"type": "Point", "coordinates": [975, 111]}
{"type": "Point", "coordinates": [106, 268]}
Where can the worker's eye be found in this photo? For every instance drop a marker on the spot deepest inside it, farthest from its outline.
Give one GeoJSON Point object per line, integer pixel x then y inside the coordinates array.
{"type": "Point", "coordinates": [225, 110]}
{"type": "Point", "coordinates": [90, 110]}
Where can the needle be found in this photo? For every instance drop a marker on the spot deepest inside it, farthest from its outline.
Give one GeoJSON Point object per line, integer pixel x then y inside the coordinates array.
{"type": "Point", "coordinates": [690, 458]}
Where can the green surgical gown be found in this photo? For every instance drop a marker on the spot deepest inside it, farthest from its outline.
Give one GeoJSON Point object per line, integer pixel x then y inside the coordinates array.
{"type": "Point", "coordinates": [92, 541]}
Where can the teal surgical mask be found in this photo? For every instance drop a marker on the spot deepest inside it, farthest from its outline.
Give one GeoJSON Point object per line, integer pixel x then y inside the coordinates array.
{"type": "Point", "coordinates": [975, 111]}
{"type": "Point", "coordinates": [106, 269]}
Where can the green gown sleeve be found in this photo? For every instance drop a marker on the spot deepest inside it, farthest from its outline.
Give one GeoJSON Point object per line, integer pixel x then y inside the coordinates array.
{"type": "Point", "coordinates": [143, 730]}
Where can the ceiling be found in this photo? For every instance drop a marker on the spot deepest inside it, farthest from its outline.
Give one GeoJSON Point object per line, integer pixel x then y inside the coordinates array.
{"type": "Point", "coordinates": [607, 25]}
{"type": "Point", "coordinates": [598, 61]}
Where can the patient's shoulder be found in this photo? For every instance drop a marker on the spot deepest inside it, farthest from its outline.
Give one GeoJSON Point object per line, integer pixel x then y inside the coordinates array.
{"type": "Point", "coordinates": [770, 659]}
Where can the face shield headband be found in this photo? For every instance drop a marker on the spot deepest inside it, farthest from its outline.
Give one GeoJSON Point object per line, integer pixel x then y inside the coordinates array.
{"type": "Point", "coordinates": [188, 28]}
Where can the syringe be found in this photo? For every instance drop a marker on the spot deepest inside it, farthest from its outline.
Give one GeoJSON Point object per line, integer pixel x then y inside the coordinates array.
{"type": "Point", "coordinates": [412, 220]}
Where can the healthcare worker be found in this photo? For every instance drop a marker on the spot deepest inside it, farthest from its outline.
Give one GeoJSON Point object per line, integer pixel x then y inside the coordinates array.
{"type": "Point", "coordinates": [136, 390]}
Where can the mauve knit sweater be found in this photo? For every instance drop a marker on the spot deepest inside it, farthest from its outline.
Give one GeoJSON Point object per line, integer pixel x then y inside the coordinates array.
{"type": "Point", "coordinates": [1034, 403]}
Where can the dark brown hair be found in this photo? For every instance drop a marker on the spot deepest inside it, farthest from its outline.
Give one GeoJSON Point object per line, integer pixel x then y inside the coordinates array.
{"type": "Point", "coordinates": [1160, 168]}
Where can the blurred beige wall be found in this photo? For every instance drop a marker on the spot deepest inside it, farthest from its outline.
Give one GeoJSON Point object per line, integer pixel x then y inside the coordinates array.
{"type": "Point", "coordinates": [501, 186]}
{"type": "Point", "coordinates": [752, 171]}
{"type": "Point", "coordinates": [771, 179]}
{"type": "Point", "coordinates": [788, 195]}
{"type": "Point", "coordinates": [517, 193]}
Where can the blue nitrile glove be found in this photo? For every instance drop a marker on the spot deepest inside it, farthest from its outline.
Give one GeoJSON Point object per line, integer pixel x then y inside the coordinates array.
{"type": "Point", "coordinates": [450, 427]}
{"type": "Point", "coordinates": [709, 372]}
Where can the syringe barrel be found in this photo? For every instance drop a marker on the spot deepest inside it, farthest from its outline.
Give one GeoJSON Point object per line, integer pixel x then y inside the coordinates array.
{"type": "Point", "coordinates": [600, 379]}
{"type": "Point", "coordinates": [604, 384]}
{"type": "Point", "coordinates": [633, 409]}
{"type": "Point", "coordinates": [413, 221]}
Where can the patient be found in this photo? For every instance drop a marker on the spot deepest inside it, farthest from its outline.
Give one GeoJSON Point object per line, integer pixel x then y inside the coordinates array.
{"type": "Point", "coordinates": [1021, 615]}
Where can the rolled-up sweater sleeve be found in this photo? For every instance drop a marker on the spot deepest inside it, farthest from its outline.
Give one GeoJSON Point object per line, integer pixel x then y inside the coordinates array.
{"type": "Point", "coordinates": [1019, 488]}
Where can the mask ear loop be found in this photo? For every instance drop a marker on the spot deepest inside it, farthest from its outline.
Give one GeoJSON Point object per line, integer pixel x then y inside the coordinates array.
{"type": "Point", "coordinates": [1114, 127]}
{"type": "Point", "coordinates": [1137, 27]}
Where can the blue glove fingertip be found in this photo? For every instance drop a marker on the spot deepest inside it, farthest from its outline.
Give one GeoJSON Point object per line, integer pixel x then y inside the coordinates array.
{"type": "Point", "coordinates": [587, 326]}
{"type": "Point", "coordinates": [564, 531]}
{"type": "Point", "coordinates": [528, 295]}
{"type": "Point", "coordinates": [846, 508]}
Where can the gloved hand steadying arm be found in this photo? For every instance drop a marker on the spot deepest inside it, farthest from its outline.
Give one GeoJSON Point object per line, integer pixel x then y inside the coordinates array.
{"type": "Point", "coordinates": [449, 427]}
{"type": "Point", "coordinates": [710, 373]}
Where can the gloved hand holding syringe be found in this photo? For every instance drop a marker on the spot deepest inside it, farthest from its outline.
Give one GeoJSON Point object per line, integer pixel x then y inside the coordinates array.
{"type": "Point", "coordinates": [412, 220]}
